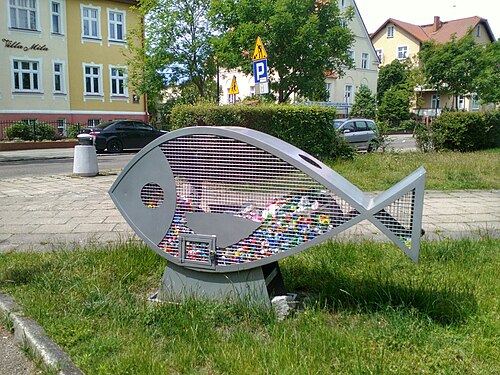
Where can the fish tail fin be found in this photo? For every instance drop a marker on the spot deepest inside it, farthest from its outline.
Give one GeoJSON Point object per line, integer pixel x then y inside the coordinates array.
{"type": "Point", "coordinates": [397, 212]}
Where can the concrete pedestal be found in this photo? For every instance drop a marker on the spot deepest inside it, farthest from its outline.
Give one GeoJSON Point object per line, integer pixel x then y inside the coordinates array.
{"type": "Point", "coordinates": [85, 161]}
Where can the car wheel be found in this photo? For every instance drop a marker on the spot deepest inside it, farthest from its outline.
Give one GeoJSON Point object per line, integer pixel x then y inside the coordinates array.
{"type": "Point", "coordinates": [115, 146]}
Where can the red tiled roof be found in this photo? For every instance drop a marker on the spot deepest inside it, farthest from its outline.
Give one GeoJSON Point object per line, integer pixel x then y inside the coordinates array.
{"type": "Point", "coordinates": [444, 31]}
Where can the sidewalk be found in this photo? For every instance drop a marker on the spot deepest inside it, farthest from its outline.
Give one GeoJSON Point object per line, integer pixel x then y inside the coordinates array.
{"type": "Point", "coordinates": [46, 213]}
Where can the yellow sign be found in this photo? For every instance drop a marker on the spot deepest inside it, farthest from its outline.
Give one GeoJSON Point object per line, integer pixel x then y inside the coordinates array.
{"type": "Point", "coordinates": [233, 90]}
{"type": "Point", "coordinates": [259, 53]}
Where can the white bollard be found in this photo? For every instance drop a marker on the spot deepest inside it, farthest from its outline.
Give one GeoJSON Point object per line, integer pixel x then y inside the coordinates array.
{"type": "Point", "coordinates": [85, 157]}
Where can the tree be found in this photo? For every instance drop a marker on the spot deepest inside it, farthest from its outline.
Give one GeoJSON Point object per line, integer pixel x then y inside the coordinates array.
{"type": "Point", "coordinates": [177, 47]}
{"type": "Point", "coordinates": [486, 83]}
{"type": "Point", "coordinates": [394, 107]}
{"type": "Point", "coordinates": [394, 74]}
{"type": "Point", "coordinates": [303, 39]}
{"type": "Point", "coordinates": [452, 67]}
{"type": "Point", "coordinates": [364, 104]}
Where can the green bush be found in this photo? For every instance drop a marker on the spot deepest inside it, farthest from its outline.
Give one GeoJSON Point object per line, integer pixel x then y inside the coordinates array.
{"type": "Point", "coordinates": [308, 128]}
{"type": "Point", "coordinates": [26, 132]}
{"type": "Point", "coordinates": [72, 130]}
{"type": "Point", "coordinates": [466, 131]}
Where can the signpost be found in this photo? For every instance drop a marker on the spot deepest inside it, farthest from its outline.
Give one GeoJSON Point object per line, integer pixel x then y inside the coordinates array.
{"type": "Point", "coordinates": [259, 59]}
{"type": "Point", "coordinates": [233, 90]}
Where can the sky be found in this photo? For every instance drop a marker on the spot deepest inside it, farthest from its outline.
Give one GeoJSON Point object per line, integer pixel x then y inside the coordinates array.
{"type": "Point", "coordinates": [422, 12]}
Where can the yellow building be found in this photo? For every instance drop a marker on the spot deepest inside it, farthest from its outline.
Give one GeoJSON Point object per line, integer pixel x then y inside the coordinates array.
{"type": "Point", "coordinates": [62, 61]}
{"type": "Point", "coordinates": [400, 40]}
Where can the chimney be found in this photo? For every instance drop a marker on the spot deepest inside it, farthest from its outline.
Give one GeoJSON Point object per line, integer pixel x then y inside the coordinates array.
{"type": "Point", "coordinates": [437, 24]}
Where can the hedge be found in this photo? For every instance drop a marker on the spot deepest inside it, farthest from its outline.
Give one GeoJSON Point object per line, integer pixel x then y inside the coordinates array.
{"type": "Point", "coordinates": [466, 131]}
{"type": "Point", "coordinates": [308, 128]}
{"type": "Point", "coordinates": [27, 132]}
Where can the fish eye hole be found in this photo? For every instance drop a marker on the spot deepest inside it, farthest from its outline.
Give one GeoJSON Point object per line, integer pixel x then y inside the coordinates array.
{"type": "Point", "coordinates": [152, 195]}
{"type": "Point", "coordinates": [310, 161]}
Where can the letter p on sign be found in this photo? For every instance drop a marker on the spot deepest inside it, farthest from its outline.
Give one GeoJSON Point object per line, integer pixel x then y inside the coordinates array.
{"type": "Point", "coordinates": [260, 71]}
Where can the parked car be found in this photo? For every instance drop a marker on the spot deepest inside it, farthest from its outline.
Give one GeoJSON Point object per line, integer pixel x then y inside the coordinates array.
{"type": "Point", "coordinates": [361, 133]}
{"type": "Point", "coordinates": [117, 135]}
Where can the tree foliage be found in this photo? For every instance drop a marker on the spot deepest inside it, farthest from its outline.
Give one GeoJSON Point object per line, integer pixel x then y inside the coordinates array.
{"type": "Point", "coordinates": [394, 74]}
{"type": "Point", "coordinates": [177, 47]}
{"type": "Point", "coordinates": [395, 106]}
{"type": "Point", "coordinates": [487, 83]}
{"type": "Point", "coordinates": [364, 104]}
{"type": "Point", "coordinates": [452, 67]}
{"type": "Point", "coordinates": [303, 39]}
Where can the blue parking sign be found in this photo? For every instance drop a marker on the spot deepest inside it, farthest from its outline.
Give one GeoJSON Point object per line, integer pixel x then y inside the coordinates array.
{"type": "Point", "coordinates": [260, 71]}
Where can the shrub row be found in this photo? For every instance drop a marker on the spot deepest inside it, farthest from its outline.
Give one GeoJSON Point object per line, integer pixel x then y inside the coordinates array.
{"type": "Point", "coordinates": [461, 131]}
{"type": "Point", "coordinates": [29, 132]}
{"type": "Point", "coordinates": [308, 128]}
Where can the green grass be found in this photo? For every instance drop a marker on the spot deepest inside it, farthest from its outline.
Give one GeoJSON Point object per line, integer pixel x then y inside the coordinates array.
{"type": "Point", "coordinates": [368, 309]}
{"type": "Point", "coordinates": [445, 170]}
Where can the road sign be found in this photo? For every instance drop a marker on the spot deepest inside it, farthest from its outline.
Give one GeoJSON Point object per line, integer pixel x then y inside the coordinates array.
{"type": "Point", "coordinates": [263, 88]}
{"type": "Point", "coordinates": [259, 52]}
{"type": "Point", "coordinates": [260, 71]}
{"type": "Point", "coordinates": [233, 90]}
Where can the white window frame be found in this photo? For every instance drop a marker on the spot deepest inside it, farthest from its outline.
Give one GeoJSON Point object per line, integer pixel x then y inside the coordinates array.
{"type": "Point", "coordinates": [474, 98]}
{"type": "Point", "coordinates": [20, 71]}
{"type": "Point", "coordinates": [478, 31]}
{"type": "Point", "coordinates": [365, 60]}
{"type": "Point", "coordinates": [59, 16]}
{"type": "Point", "coordinates": [380, 54]}
{"type": "Point", "coordinates": [390, 32]}
{"type": "Point", "coordinates": [400, 49]}
{"type": "Point", "coordinates": [84, 19]}
{"type": "Point", "coordinates": [93, 94]}
{"type": "Point", "coordinates": [14, 21]}
{"type": "Point", "coordinates": [435, 101]}
{"type": "Point", "coordinates": [124, 78]}
{"type": "Point", "coordinates": [61, 75]}
{"type": "Point", "coordinates": [348, 93]}
{"type": "Point", "coordinates": [112, 25]}
{"type": "Point", "coordinates": [460, 102]}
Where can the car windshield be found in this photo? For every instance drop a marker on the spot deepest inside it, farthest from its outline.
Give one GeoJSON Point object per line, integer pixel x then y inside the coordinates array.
{"type": "Point", "coordinates": [338, 123]}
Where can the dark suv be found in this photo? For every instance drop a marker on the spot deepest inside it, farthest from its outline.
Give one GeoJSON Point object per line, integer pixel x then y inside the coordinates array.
{"type": "Point", "coordinates": [361, 133]}
{"type": "Point", "coordinates": [117, 135]}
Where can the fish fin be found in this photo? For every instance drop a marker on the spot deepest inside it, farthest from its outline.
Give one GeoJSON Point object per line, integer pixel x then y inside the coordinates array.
{"type": "Point", "coordinates": [397, 212]}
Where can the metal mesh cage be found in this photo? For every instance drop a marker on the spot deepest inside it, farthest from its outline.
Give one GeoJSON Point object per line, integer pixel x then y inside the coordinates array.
{"type": "Point", "coordinates": [220, 175]}
{"type": "Point", "coordinates": [398, 217]}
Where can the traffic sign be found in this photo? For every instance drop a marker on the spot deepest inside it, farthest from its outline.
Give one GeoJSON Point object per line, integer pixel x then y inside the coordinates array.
{"type": "Point", "coordinates": [233, 90]}
{"type": "Point", "coordinates": [260, 71]}
{"type": "Point", "coordinates": [259, 53]}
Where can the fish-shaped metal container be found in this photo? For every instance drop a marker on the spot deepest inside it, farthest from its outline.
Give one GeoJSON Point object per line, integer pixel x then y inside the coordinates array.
{"type": "Point", "coordinates": [226, 199]}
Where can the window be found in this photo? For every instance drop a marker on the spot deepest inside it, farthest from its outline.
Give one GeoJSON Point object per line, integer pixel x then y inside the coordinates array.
{"type": "Point", "coordinates": [402, 52]}
{"type": "Point", "coordinates": [118, 81]}
{"type": "Point", "coordinates": [460, 102]}
{"type": "Point", "coordinates": [90, 22]}
{"type": "Point", "coordinates": [58, 78]}
{"type": "Point", "coordinates": [23, 14]}
{"type": "Point", "coordinates": [116, 26]}
{"type": "Point", "coordinates": [55, 9]}
{"type": "Point", "coordinates": [348, 94]}
{"type": "Point", "coordinates": [475, 102]}
{"type": "Point", "coordinates": [380, 55]}
{"type": "Point", "coordinates": [343, 3]}
{"type": "Point", "coordinates": [435, 101]}
{"type": "Point", "coordinates": [61, 126]}
{"type": "Point", "coordinates": [93, 122]}
{"type": "Point", "coordinates": [390, 31]}
{"type": "Point", "coordinates": [365, 57]}
{"type": "Point", "coordinates": [26, 76]}
{"type": "Point", "coordinates": [478, 31]}
{"type": "Point", "coordinates": [328, 91]}
{"type": "Point", "coordinates": [92, 79]}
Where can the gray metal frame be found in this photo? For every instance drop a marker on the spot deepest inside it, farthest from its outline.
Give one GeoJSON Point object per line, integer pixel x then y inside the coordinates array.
{"type": "Point", "coordinates": [132, 209]}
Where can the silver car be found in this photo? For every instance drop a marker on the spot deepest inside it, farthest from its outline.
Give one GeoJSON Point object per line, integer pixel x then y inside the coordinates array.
{"type": "Point", "coordinates": [361, 133]}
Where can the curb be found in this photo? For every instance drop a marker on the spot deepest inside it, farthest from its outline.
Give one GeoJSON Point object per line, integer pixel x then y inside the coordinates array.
{"type": "Point", "coordinates": [28, 331]}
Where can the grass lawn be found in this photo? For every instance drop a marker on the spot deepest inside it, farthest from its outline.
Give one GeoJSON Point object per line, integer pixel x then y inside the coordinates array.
{"type": "Point", "coordinates": [445, 170]}
{"type": "Point", "coordinates": [368, 310]}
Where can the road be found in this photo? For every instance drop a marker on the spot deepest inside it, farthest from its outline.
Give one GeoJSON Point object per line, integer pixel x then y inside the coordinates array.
{"type": "Point", "coordinates": [402, 142]}
{"type": "Point", "coordinates": [15, 164]}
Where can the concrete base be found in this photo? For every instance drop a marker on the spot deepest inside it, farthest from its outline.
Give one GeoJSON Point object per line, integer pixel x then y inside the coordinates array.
{"type": "Point", "coordinates": [85, 161]}
{"type": "Point", "coordinates": [255, 285]}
